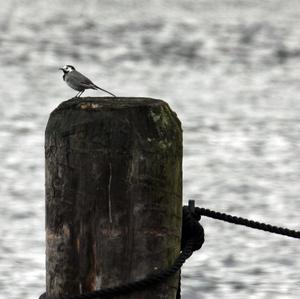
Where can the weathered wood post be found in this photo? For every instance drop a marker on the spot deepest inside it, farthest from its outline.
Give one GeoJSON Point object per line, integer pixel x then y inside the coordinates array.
{"type": "Point", "coordinates": [113, 194]}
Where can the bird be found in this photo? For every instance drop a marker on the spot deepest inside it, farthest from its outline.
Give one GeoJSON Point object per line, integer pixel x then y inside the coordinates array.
{"type": "Point", "coordinates": [78, 81]}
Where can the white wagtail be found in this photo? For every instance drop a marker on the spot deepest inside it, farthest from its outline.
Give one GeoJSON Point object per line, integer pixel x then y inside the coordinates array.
{"type": "Point", "coordinates": [78, 81]}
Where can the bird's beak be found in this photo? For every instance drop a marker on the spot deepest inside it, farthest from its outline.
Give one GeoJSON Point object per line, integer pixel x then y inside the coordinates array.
{"type": "Point", "coordinates": [61, 69]}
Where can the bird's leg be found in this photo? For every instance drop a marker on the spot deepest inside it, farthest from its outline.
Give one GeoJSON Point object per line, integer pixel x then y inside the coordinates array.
{"type": "Point", "coordinates": [81, 92]}
{"type": "Point", "coordinates": [77, 95]}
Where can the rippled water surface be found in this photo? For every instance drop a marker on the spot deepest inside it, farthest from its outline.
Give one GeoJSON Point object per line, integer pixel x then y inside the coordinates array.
{"type": "Point", "coordinates": [231, 71]}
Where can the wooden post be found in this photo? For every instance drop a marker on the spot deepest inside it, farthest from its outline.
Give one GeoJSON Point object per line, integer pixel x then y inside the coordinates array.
{"type": "Point", "coordinates": [113, 194]}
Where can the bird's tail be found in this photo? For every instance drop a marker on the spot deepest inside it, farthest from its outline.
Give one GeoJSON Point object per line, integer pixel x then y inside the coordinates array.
{"type": "Point", "coordinates": [97, 87]}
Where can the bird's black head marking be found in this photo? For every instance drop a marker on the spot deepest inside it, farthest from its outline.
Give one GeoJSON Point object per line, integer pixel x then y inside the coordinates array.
{"type": "Point", "coordinates": [70, 67]}
{"type": "Point", "coordinates": [67, 68]}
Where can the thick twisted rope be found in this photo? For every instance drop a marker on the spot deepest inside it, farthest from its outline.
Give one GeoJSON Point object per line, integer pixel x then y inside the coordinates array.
{"type": "Point", "coordinates": [249, 223]}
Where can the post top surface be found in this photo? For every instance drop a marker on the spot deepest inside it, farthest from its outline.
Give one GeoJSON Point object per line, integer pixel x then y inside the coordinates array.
{"type": "Point", "coordinates": [97, 103]}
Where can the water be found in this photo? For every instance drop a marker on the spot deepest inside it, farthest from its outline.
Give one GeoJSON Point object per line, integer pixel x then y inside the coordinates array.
{"type": "Point", "coordinates": [231, 71]}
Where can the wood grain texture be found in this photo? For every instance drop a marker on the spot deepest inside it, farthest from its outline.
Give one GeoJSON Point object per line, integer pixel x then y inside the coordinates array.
{"type": "Point", "coordinates": [113, 194]}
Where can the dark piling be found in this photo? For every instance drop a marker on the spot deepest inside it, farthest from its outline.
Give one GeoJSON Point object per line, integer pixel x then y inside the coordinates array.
{"type": "Point", "coordinates": [113, 194]}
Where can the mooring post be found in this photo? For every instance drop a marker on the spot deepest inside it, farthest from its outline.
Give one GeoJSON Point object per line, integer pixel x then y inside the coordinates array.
{"type": "Point", "coordinates": [113, 195]}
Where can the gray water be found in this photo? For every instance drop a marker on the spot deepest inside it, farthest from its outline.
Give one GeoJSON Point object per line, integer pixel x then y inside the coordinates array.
{"type": "Point", "coordinates": [231, 71]}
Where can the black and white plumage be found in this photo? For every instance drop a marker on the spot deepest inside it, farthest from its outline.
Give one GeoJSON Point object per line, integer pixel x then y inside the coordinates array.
{"type": "Point", "coordinates": [78, 81]}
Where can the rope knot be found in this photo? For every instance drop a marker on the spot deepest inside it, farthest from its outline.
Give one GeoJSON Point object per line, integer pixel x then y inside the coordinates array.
{"type": "Point", "coordinates": [191, 229]}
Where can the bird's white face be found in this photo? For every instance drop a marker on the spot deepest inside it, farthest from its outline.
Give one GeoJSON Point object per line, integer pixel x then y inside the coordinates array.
{"type": "Point", "coordinates": [68, 68]}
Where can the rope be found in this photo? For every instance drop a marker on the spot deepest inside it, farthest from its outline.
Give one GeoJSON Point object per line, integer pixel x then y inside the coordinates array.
{"type": "Point", "coordinates": [143, 283]}
{"type": "Point", "coordinates": [249, 223]}
{"type": "Point", "coordinates": [193, 239]}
